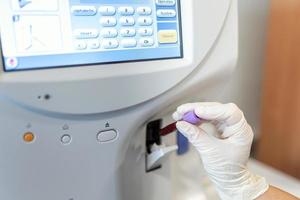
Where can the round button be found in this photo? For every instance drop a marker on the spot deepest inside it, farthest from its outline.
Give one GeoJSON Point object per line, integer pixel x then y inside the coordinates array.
{"type": "Point", "coordinates": [66, 139]}
{"type": "Point", "coordinates": [28, 137]}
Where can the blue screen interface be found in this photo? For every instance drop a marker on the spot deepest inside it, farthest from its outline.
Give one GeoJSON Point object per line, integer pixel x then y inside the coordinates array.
{"type": "Point", "coordinates": [37, 34]}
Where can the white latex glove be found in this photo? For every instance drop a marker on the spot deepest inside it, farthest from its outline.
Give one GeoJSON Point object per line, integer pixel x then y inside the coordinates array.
{"type": "Point", "coordinates": [226, 154]}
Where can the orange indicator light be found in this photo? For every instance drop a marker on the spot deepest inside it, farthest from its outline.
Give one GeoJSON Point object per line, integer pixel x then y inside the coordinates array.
{"type": "Point", "coordinates": [28, 137]}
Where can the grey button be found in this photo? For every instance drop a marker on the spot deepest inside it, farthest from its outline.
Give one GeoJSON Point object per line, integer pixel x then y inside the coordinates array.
{"type": "Point", "coordinates": [107, 135]}
{"type": "Point", "coordinates": [66, 139]}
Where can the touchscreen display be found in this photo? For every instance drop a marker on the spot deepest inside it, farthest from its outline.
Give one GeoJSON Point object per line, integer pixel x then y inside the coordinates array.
{"type": "Point", "coordinates": [39, 34]}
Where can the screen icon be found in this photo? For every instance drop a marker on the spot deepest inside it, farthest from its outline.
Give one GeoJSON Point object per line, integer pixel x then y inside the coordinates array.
{"type": "Point", "coordinates": [35, 5]}
{"type": "Point", "coordinates": [11, 62]}
{"type": "Point", "coordinates": [23, 3]}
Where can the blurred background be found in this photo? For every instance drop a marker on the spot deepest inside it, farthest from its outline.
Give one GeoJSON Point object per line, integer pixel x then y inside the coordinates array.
{"type": "Point", "coordinates": [266, 85]}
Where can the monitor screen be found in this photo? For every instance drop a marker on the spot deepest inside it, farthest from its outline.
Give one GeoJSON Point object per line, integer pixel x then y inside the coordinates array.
{"type": "Point", "coordinates": [37, 34]}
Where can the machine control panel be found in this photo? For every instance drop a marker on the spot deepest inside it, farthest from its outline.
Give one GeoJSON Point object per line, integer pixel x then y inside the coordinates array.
{"type": "Point", "coordinates": [53, 33]}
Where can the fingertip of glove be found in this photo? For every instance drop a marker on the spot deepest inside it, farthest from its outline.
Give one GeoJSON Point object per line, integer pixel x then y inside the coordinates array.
{"type": "Point", "coordinates": [182, 126]}
{"type": "Point", "coordinates": [176, 116]}
{"type": "Point", "coordinates": [185, 127]}
{"type": "Point", "coordinates": [200, 111]}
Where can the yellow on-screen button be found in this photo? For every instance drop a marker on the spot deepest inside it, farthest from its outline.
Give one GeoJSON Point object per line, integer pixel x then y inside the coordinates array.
{"type": "Point", "coordinates": [167, 36]}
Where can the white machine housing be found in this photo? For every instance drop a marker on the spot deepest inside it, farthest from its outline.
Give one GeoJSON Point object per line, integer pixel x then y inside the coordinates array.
{"type": "Point", "coordinates": [123, 97]}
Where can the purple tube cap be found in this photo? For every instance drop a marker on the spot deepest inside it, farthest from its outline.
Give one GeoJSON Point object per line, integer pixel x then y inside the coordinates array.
{"type": "Point", "coordinates": [191, 117]}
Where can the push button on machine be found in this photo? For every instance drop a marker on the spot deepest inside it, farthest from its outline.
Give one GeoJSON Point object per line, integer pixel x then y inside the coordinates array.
{"type": "Point", "coordinates": [66, 139]}
{"type": "Point", "coordinates": [107, 135]}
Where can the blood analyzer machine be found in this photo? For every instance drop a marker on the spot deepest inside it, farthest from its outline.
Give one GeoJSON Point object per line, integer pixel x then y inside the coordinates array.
{"type": "Point", "coordinates": [85, 86]}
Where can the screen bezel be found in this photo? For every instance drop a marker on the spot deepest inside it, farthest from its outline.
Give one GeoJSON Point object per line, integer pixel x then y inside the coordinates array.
{"type": "Point", "coordinates": [181, 48]}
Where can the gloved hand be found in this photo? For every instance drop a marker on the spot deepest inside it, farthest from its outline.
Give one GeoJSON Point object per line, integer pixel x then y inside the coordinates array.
{"type": "Point", "coordinates": [226, 154]}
